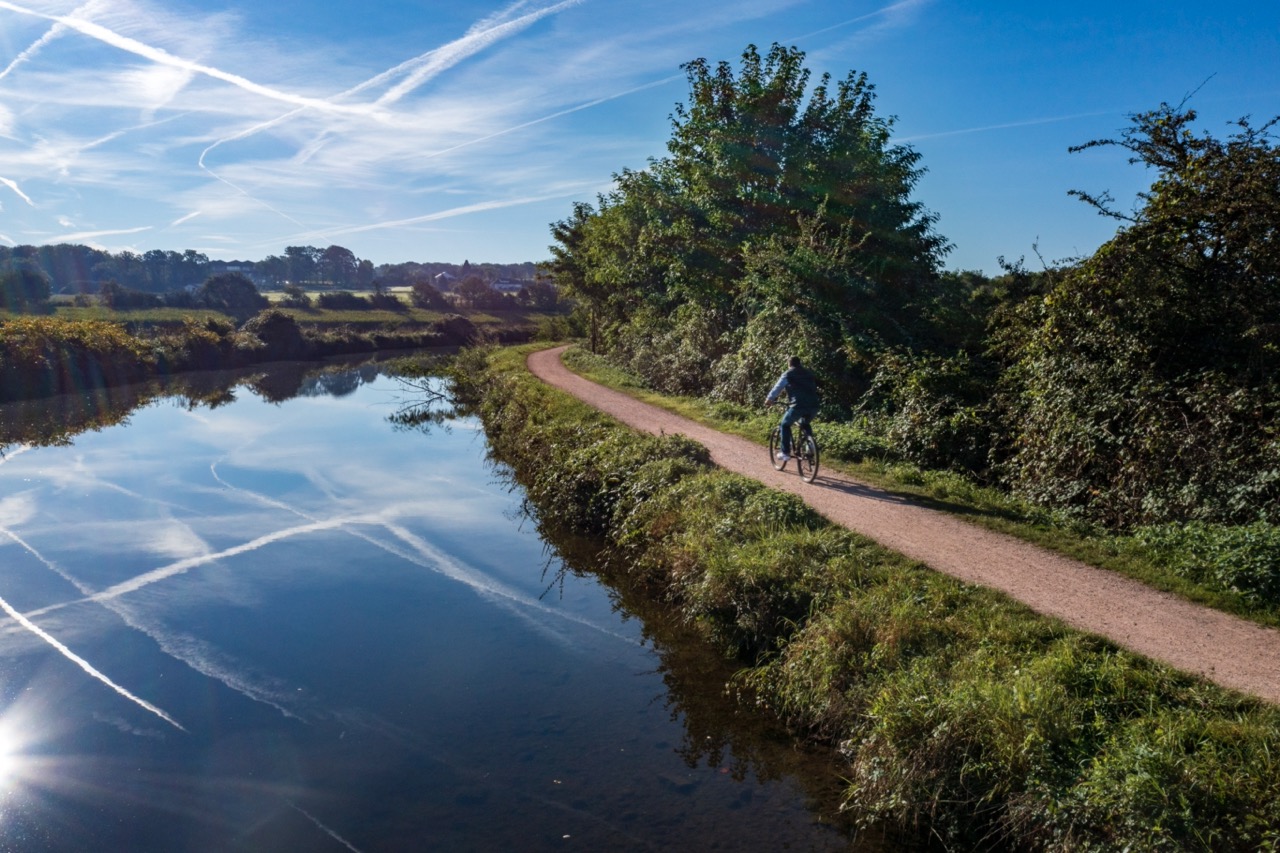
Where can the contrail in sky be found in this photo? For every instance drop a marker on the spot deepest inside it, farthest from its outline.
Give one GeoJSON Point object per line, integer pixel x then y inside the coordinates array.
{"type": "Point", "coordinates": [431, 558]}
{"type": "Point", "coordinates": [13, 185]}
{"type": "Point", "coordinates": [1005, 126]}
{"type": "Point", "coordinates": [878, 13]}
{"type": "Point", "coordinates": [92, 235]}
{"type": "Point", "coordinates": [163, 57]}
{"type": "Point", "coordinates": [51, 34]}
{"type": "Point", "coordinates": [588, 105]}
{"type": "Point", "coordinates": [489, 205]}
{"type": "Point", "coordinates": [326, 830]}
{"type": "Point", "coordinates": [426, 66]}
{"type": "Point", "coordinates": [182, 566]}
{"type": "Point", "coordinates": [474, 41]}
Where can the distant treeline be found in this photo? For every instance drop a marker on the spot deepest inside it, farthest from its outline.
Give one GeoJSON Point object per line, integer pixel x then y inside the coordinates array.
{"type": "Point", "coordinates": [73, 269]}
{"type": "Point", "coordinates": [1138, 385]}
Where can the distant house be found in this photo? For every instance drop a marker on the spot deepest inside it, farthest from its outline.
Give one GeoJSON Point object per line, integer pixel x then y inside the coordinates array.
{"type": "Point", "coordinates": [444, 281]}
{"type": "Point", "coordinates": [508, 286]}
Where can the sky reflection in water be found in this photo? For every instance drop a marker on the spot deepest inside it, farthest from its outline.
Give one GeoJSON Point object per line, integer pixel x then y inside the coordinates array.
{"type": "Point", "coordinates": [292, 626]}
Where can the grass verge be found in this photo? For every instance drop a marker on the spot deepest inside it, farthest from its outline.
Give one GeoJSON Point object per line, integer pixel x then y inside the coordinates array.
{"type": "Point", "coordinates": [953, 708]}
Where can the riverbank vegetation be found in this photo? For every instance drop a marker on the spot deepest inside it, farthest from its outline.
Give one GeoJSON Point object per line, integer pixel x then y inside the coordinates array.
{"type": "Point", "coordinates": [1135, 387]}
{"type": "Point", "coordinates": [1130, 398]}
{"type": "Point", "coordinates": [42, 356]}
{"type": "Point", "coordinates": [952, 707]}
{"type": "Point", "coordinates": [59, 346]}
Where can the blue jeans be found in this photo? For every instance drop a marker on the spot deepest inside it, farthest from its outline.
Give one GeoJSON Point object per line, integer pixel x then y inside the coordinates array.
{"type": "Point", "coordinates": [792, 416]}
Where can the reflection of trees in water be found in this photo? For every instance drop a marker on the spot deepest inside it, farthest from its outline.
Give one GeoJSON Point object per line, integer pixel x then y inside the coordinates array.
{"type": "Point", "coordinates": [54, 421]}
{"type": "Point", "coordinates": [424, 405]}
{"type": "Point", "coordinates": [721, 727]}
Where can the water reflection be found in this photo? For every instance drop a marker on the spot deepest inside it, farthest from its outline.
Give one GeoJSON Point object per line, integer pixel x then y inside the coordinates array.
{"type": "Point", "coordinates": [249, 620]}
{"type": "Point", "coordinates": [55, 421]}
{"type": "Point", "coordinates": [720, 731]}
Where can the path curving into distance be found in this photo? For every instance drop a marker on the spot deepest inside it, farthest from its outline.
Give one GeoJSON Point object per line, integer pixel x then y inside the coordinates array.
{"type": "Point", "coordinates": [1221, 648]}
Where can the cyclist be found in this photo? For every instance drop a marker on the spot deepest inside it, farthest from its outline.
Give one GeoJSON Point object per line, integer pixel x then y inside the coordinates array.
{"type": "Point", "coordinates": [800, 384]}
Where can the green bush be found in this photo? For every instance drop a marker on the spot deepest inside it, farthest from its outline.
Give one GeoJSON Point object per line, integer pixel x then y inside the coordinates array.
{"type": "Point", "coordinates": [279, 333]}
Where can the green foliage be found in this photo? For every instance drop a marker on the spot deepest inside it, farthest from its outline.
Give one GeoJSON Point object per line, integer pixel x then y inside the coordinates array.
{"type": "Point", "coordinates": [557, 328]}
{"type": "Point", "coordinates": [1240, 559]}
{"type": "Point", "coordinates": [279, 333]}
{"type": "Point", "coordinates": [747, 370]}
{"type": "Point", "coordinates": [932, 410]}
{"type": "Point", "coordinates": [851, 442]}
{"type": "Point", "coordinates": [425, 295]}
{"type": "Point", "coordinates": [343, 300]}
{"type": "Point", "coordinates": [296, 296]}
{"type": "Point", "coordinates": [41, 356]}
{"type": "Point", "coordinates": [231, 293]}
{"type": "Point", "coordinates": [952, 707]}
{"type": "Point", "coordinates": [1133, 387]}
{"type": "Point", "coordinates": [478, 293]}
{"type": "Point", "coordinates": [1144, 388]}
{"type": "Point", "coordinates": [778, 202]}
{"type": "Point", "coordinates": [673, 352]}
{"type": "Point", "coordinates": [23, 289]}
{"type": "Point", "coordinates": [120, 298]}
{"type": "Point", "coordinates": [1160, 775]}
{"type": "Point", "coordinates": [200, 344]}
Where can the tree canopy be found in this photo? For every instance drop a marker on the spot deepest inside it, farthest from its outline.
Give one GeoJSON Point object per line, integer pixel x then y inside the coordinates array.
{"type": "Point", "coordinates": [1134, 386]}
{"type": "Point", "coordinates": [779, 213]}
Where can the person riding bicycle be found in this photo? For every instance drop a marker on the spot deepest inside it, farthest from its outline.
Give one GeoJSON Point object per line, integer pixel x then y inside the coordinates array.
{"type": "Point", "coordinates": [798, 382]}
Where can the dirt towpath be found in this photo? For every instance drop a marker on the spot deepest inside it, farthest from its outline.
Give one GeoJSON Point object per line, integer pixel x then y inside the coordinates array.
{"type": "Point", "coordinates": [1224, 649]}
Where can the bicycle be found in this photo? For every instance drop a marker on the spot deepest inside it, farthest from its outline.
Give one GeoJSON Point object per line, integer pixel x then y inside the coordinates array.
{"type": "Point", "coordinates": [804, 450]}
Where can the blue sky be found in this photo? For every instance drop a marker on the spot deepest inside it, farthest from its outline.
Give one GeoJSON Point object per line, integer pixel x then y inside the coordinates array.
{"type": "Point", "coordinates": [444, 131]}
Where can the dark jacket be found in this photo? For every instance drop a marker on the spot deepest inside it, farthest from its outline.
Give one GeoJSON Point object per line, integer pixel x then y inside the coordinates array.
{"type": "Point", "coordinates": [801, 385]}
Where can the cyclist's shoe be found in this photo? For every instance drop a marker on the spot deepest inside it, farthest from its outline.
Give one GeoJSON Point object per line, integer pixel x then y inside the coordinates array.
{"type": "Point", "coordinates": [784, 457]}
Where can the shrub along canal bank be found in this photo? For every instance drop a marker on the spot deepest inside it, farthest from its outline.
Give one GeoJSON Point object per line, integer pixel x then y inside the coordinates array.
{"type": "Point", "coordinates": [950, 707]}
{"type": "Point", "coordinates": [47, 356]}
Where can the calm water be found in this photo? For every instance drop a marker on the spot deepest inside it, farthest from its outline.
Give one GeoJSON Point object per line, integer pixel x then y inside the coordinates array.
{"type": "Point", "coordinates": [294, 626]}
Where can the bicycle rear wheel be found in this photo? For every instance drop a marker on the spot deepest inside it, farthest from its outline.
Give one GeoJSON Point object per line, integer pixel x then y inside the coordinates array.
{"type": "Point", "coordinates": [807, 458]}
{"type": "Point", "coordinates": [775, 445]}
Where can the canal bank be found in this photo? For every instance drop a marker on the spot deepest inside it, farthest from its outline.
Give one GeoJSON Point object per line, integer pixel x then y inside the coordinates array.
{"type": "Point", "coordinates": [949, 704]}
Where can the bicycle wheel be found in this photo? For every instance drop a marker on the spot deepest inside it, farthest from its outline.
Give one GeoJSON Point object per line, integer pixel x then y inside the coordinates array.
{"type": "Point", "coordinates": [807, 458]}
{"type": "Point", "coordinates": [775, 444]}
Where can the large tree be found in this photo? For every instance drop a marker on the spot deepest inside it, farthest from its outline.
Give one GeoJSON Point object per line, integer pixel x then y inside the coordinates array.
{"type": "Point", "coordinates": [682, 256]}
{"type": "Point", "coordinates": [752, 157]}
{"type": "Point", "coordinates": [338, 265]}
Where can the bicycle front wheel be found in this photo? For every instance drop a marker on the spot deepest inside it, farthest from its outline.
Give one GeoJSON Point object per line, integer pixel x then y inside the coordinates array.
{"type": "Point", "coordinates": [775, 446]}
{"type": "Point", "coordinates": [807, 458]}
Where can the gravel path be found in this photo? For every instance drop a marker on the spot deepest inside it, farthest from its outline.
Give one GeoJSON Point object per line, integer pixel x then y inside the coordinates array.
{"type": "Point", "coordinates": [1224, 649]}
